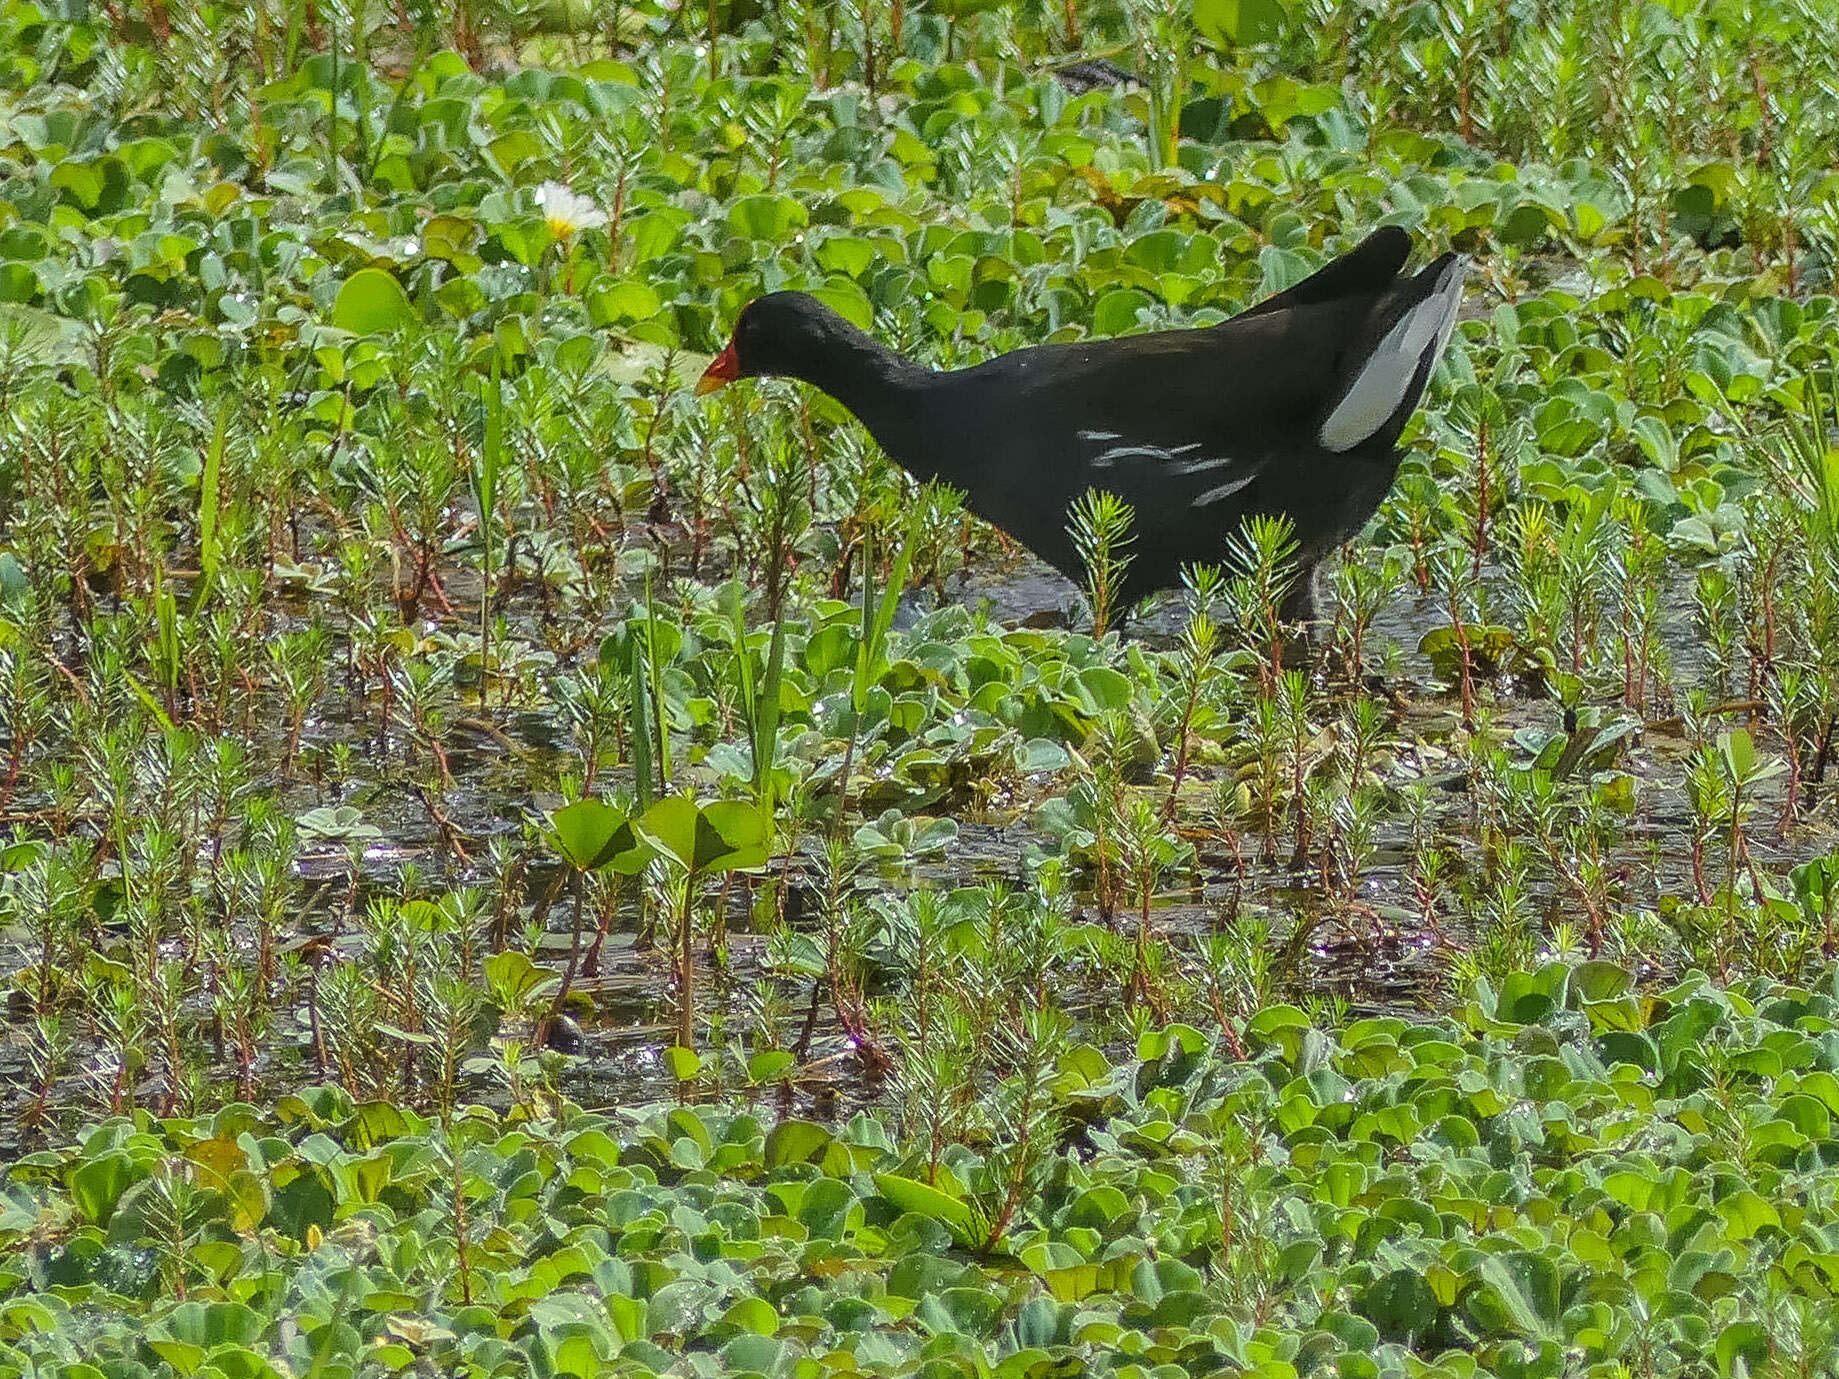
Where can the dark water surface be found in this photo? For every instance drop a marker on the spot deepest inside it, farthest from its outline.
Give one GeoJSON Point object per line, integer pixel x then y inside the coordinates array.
{"type": "Point", "coordinates": [1377, 949]}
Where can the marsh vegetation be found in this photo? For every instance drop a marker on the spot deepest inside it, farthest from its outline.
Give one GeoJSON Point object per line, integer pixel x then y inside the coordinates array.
{"type": "Point", "coordinates": [509, 867]}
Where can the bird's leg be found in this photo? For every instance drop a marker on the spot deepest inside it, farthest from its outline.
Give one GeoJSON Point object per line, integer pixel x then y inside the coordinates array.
{"type": "Point", "coordinates": [1300, 604]}
{"type": "Point", "coordinates": [1300, 613]}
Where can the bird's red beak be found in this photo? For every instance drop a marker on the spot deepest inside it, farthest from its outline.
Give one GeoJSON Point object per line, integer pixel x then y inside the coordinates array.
{"type": "Point", "coordinates": [722, 370]}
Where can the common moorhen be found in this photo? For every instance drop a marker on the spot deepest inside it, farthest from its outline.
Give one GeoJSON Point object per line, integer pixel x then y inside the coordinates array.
{"type": "Point", "coordinates": [1294, 406]}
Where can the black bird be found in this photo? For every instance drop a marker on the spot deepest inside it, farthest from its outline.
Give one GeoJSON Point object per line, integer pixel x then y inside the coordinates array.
{"type": "Point", "coordinates": [1089, 74]}
{"type": "Point", "coordinates": [1294, 406]}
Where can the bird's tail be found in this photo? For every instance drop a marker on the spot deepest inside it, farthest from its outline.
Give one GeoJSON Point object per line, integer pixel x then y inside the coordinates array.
{"type": "Point", "coordinates": [1404, 338]}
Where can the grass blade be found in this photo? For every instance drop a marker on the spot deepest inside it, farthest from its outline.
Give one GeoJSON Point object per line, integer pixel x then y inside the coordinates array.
{"type": "Point", "coordinates": [210, 542]}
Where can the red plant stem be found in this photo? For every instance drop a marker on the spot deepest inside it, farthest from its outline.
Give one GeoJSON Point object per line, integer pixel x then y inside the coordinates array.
{"type": "Point", "coordinates": [1481, 499]}
{"type": "Point", "coordinates": [459, 1227]}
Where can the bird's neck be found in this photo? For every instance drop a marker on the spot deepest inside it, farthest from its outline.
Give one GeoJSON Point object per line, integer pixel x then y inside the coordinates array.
{"type": "Point", "coordinates": [882, 388]}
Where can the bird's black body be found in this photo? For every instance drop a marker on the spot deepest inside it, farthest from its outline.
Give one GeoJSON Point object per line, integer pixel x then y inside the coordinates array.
{"type": "Point", "coordinates": [1196, 429]}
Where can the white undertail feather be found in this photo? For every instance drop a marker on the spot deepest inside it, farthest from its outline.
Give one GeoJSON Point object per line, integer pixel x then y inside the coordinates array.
{"type": "Point", "coordinates": [1386, 374]}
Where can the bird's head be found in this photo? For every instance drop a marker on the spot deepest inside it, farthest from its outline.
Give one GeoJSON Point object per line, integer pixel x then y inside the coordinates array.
{"type": "Point", "coordinates": [783, 334]}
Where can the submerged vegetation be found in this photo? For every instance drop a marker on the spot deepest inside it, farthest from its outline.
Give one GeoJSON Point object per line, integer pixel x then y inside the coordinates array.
{"type": "Point", "coordinates": [423, 718]}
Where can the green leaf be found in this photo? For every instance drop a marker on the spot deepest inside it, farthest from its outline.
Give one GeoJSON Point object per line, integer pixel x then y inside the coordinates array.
{"type": "Point", "coordinates": [959, 1311]}
{"type": "Point", "coordinates": [513, 979]}
{"type": "Point", "coordinates": [491, 455]}
{"type": "Point", "coordinates": [1275, 1024]}
{"type": "Point", "coordinates": [1528, 223]}
{"type": "Point", "coordinates": [1519, 1294]}
{"type": "Point", "coordinates": [754, 1316]}
{"type": "Point", "coordinates": [742, 830]}
{"type": "Point", "coordinates": [847, 255]}
{"type": "Point", "coordinates": [921, 1199]}
{"type": "Point", "coordinates": [1116, 311]}
{"type": "Point", "coordinates": [642, 718]}
{"type": "Point", "coordinates": [1401, 1304]}
{"type": "Point", "coordinates": [590, 835]}
{"type": "Point", "coordinates": [1745, 1213]}
{"type": "Point", "coordinates": [210, 550]}
{"type": "Point", "coordinates": [611, 301]}
{"type": "Point", "coordinates": [878, 614]}
{"type": "Point", "coordinates": [1106, 690]}
{"type": "Point", "coordinates": [770, 1066]}
{"type": "Point", "coordinates": [771, 218]}
{"type": "Point", "coordinates": [1739, 752]}
{"type": "Point", "coordinates": [43, 336]}
{"type": "Point", "coordinates": [671, 824]}
{"type": "Point", "coordinates": [725, 835]}
{"type": "Point", "coordinates": [1746, 1341]}
{"type": "Point", "coordinates": [1153, 1044]}
{"type": "Point", "coordinates": [19, 283]}
{"type": "Point", "coordinates": [1742, 763]}
{"type": "Point", "coordinates": [374, 1123]}
{"type": "Point", "coordinates": [525, 240]}
{"type": "Point", "coordinates": [371, 302]}
{"type": "Point", "coordinates": [448, 237]}
{"type": "Point", "coordinates": [181, 1356]}
{"type": "Point", "coordinates": [1601, 981]}
{"type": "Point", "coordinates": [96, 1185]}
{"type": "Point", "coordinates": [795, 1142]}
{"type": "Point", "coordinates": [1816, 885]}
{"type": "Point", "coordinates": [848, 301]}
{"type": "Point", "coordinates": [1239, 21]}
{"type": "Point", "coordinates": [764, 721]}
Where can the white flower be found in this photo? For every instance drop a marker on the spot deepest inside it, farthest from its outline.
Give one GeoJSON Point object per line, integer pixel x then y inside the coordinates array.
{"type": "Point", "coordinates": [568, 213]}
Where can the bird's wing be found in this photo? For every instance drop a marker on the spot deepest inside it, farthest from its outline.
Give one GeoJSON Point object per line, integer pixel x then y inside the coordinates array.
{"type": "Point", "coordinates": [1202, 471]}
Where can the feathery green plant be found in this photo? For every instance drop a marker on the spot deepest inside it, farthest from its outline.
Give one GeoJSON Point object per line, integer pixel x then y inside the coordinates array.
{"type": "Point", "coordinates": [1100, 524]}
{"type": "Point", "coordinates": [1260, 559]}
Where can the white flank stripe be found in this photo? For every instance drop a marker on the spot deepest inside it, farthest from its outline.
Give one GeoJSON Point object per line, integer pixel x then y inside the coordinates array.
{"type": "Point", "coordinates": [1387, 373]}
{"type": "Point", "coordinates": [1225, 490]}
{"type": "Point", "coordinates": [1185, 467]}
